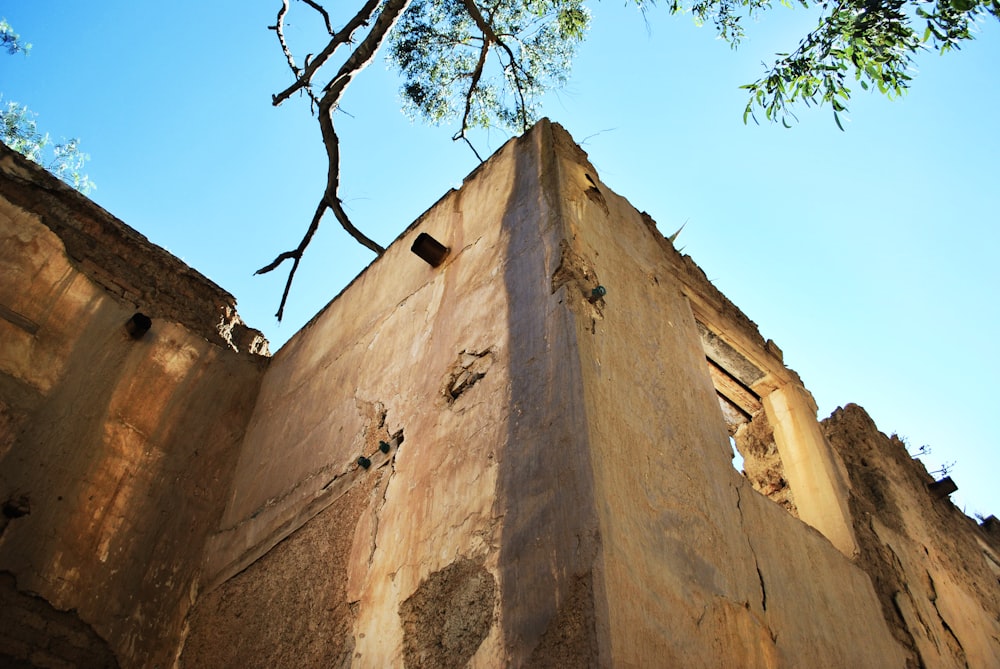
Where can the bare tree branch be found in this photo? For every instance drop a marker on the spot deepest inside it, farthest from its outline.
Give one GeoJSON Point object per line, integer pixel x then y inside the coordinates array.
{"type": "Point", "coordinates": [476, 76]}
{"type": "Point", "coordinates": [358, 60]}
{"type": "Point", "coordinates": [326, 17]}
{"type": "Point", "coordinates": [279, 29]}
{"type": "Point", "coordinates": [295, 256]}
{"type": "Point", "coordinates": [362, 18]}
{"type": "Point", "coordinates": [461, 135]}
{"type": "Point", "coordinates": [331, 196]}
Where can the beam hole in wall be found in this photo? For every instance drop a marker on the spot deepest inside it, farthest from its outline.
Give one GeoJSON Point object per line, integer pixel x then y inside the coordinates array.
{"type": "Point", "coordinates": [429, 249]}
{"type": "Point", "coordinates": [138, 325]}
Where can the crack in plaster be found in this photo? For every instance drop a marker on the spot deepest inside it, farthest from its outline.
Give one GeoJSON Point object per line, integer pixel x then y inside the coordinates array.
{"type": "Point", "coordinates": [376, 422]}
{"type": "Point", "coordinates": [944, 623]}
{"type": "Point", "coordinates": [903, 624]}
{"type": "Point", "coordinates": [278, 499]}
{"type": "Point", "coordinates": [578, 276]}
{"type": "Point", "coordinates": [385, 493]}
{"type": "Point", "coordinates": [756, 563]}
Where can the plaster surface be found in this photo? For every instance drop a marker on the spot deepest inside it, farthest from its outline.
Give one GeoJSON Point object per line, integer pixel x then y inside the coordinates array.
{"type": "Point", "coordinates": [518, 457]}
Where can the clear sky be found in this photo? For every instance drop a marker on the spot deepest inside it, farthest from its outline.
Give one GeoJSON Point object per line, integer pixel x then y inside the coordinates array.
{"type": "Point", "coordinates": [869, 256]}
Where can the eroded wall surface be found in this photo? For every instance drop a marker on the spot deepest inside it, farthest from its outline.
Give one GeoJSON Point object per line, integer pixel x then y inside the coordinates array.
{"type": "Point", "coordinates": [934, 568]}
{"type": "Point", "coordinates": [519, 456]}
{"type": "Point", "coordinates": [695, 568]}
{"type": "Point", "coordinates": [115, 452]}
{"type": "Point", "coordinates": [415, 357]}
{"type": "Point", "coordinates": [557, 487]}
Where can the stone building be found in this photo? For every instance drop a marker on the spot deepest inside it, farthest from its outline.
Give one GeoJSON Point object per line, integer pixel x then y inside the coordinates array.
{"type": "Point", "coordinates": [506, 443]}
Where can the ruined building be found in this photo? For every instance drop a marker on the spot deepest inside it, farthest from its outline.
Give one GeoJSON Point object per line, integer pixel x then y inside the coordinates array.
{"type": "Point", "coordinates": [506, 443]}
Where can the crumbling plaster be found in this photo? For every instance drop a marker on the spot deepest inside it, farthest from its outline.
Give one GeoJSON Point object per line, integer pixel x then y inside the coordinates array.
{"type": "Point", "coordinates": [588, 465]}
{"type": "Point", "coordinates": [518, 457]}
{"type": "Point", "coordinates": [117, 451]}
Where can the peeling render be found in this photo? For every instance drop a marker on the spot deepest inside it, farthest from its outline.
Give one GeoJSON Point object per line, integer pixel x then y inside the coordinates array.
{"type": "Point", "coordinates": [567, 384]}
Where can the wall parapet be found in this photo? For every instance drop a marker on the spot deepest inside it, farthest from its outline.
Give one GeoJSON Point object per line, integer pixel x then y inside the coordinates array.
{"type": "Point", "coordinates": [123, 261]}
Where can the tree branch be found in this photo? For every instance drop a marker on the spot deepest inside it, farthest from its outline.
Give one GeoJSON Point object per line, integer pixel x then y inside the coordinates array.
{"type": "Point", "coordinates": [489, 34]}
{"type": "Point", "coordinates": [279, 29]}
{"type": "Point", "coordinates": [331, 197]}
{"type": "Point", "coordinates": [304, 80]}
{"type": "Point", "coordinates": [326, 17]}
{"type": "Point", "coordinates": [358, 60]}
{"type": "Point", "coordinates": [476, 75]}
{"type": "Point", "coordinates": [295, 256]}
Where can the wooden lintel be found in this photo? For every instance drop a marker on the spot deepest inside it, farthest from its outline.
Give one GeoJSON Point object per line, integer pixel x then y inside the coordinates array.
{"type": "Point", "coordinates": [733, 390]}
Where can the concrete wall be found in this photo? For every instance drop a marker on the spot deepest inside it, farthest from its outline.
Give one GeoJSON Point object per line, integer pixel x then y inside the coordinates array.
{"type": "Point", "coordinates": [519, 457]}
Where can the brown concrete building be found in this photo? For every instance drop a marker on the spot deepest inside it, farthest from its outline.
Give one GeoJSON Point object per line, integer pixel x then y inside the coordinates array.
{"type": "Point", "coordinates": [517, 454]}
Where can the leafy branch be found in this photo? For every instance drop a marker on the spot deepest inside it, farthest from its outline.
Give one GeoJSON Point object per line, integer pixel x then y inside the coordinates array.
{"type": "Point", "coordinates": [20, 132]}
{"type": "Point", "coordinates": [874, 41]}
{"type": "Point", "coordinates": [443, 49]}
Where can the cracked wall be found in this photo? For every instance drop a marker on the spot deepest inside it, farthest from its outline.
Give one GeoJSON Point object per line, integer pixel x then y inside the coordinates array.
{"type": "Point", "coordinates": [115, 452]}
{"type": "Point", "coordinates": [564, 485]}
{"type": "Point", "coordinates": [930, 565]}
{"type": "Point", "coordinates": [691, 557]}
{"type": "Point", "coordinates": [447, 618]}
{"type": "Point", "coordinates": [762, 464]}
{"type": "Point", "coordinates": [433, 345]}
{"type": "Point", "coordinates": [515, 457]}
{"type": "Point", "coordinates": [289, 608]}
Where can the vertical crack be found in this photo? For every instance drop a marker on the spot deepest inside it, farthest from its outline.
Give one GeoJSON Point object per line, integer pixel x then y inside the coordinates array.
{"type": "Point", "coordinates": [956, 644]}
{"type": "Point", "coordinates": [756, 563]}
{"type": "Point", "coordinates": [384, 482]}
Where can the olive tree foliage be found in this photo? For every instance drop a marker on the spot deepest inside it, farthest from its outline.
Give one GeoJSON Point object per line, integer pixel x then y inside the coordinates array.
{"type": "Point", "coordinates": [19, 131]}
{"type": "Point", "coordinates": [482, 63]}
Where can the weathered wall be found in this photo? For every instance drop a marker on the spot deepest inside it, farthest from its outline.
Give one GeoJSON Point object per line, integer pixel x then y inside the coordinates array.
{"type": "Point", "coordinates": [562, 494]}
{"type": "Point", "coordinates": [696, 568]}
{"type": "Point", "coordinates": [414, 331]}
{"type": "Point", "coordinates": [290, 608]}
{"type": "Point", "coordinates": [115, 452]}
{"type": "Point", "coordinates": [517, 458]}
{"type": "Point", "coordinates": [935, 573]}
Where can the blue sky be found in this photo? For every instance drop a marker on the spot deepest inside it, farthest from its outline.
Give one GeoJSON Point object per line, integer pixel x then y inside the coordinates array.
{"type": "Point", "coordinates": [868, 255]}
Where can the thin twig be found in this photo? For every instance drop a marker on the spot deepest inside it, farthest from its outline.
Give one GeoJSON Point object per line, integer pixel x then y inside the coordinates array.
{"type": "Point", "coordinates": [295, 256]}
{"type": "Point", "coordinates": [462, 136]}
{"type": "Point", "coordinates": [476, 75]}
{"type": "Point", "coordinates": [326, 17]}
